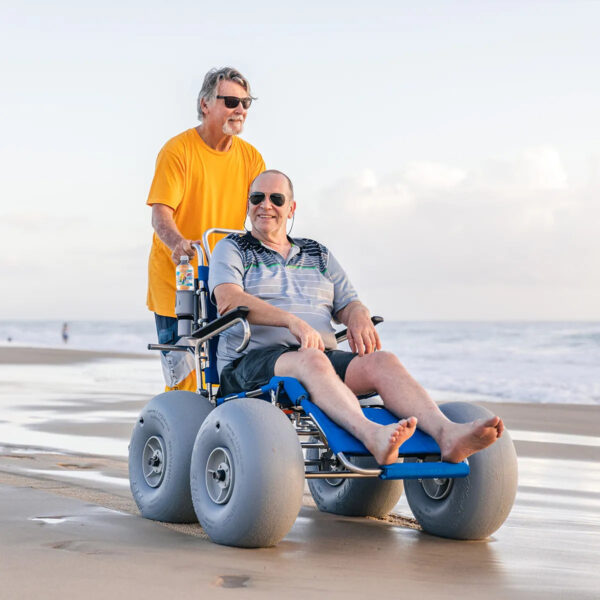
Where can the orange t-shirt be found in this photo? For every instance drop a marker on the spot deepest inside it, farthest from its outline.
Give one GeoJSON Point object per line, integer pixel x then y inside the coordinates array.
{"type": "Point", "coordinates": [205, 188]}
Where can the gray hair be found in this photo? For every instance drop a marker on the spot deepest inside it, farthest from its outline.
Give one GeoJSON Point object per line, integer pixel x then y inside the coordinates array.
{"type": "Point", "coordinates": [211, 84]}
{"type": "Point", "coordinates": [274, 172]}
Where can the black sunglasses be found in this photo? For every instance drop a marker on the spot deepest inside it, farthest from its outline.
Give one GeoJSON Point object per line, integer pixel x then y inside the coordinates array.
{"type": "Point", "coordinates": [233, 101]}
{"type": "Point", "coordinates": [257, 197]}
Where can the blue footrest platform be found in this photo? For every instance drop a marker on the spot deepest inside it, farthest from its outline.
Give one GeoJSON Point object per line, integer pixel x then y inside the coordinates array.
{"type": "Point", "coordinates": [424, 470]}
{"type": "Point", "coordinates": [339, 440]}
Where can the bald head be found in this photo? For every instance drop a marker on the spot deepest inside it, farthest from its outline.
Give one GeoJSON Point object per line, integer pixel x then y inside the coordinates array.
{"type": "Point", "coordinates": [270, 205]}
{"type": "Point", "coordinates": [272, 175]}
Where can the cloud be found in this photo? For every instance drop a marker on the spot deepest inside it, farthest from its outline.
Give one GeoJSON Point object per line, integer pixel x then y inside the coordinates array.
{"type": "Point", "coordinates": [430, 175]}
{"type": "Point", "coordinates": [517, 222]}
{"type": "Point", "coordinates": [533, 169]}
{"type": "Point", "coordinates": [510, 237]}
{"type": "Point", "coordinates": [360, 194]}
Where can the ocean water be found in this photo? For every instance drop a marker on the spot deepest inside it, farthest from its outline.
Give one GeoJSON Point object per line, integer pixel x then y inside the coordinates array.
{"type": "Point", "coordinates": [554, 362]}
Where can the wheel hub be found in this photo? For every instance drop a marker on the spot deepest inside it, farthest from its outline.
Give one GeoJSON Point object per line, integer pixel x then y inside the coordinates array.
{"type": "Point", "coordinates": [334, 481]}
{"type": "Point", "coordinates": [154, 461]}
{"type": "Point", "coordinates": [437, 488]}
{"type": "Point", "coordinates": [328, 464]}
{"type": "Point", "coordinates": [219, 475]}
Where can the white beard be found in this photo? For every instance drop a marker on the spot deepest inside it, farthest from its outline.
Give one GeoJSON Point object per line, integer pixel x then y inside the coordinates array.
{"type": "Point", "coordinates": [228, 127]}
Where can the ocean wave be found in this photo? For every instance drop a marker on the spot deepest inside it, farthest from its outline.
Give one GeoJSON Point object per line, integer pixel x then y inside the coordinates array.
{"type": "Point", "coordinates": [518, 362]}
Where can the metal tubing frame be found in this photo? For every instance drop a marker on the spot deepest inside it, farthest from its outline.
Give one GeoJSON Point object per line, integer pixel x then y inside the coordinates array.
{"type": "Point", "coordinates": [201, 252]}
{"type": "Point", "coordinates": [216, 230]}
{"type": "Point", "coordinates": [205, 338]}
{"type": "Point", "coordinates": [352, 467]}
{"type": "Point", "coordinates": [197, 346]}
{"type": "Point", "coordinates": [198, 355]}
{"type": "Point", "coordinates": [170, 348]}
{"type": "Point", "coordinates": [245, 325]}
{"type": "Point", "coordinates": [313, 445]}
{"type": "Point", "coordinates": [352, 471]}
{"type": "Point", "coordinates": [337, 475]}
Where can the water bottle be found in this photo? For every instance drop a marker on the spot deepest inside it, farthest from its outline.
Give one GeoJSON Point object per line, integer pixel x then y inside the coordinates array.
{"type": "Point", "coordinates": [184, 275]}
{"type": "Point", "coordinates": [184, 296]}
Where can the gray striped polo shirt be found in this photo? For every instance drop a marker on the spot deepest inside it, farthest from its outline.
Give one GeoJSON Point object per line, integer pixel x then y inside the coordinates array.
{"type": "Point", "coordinates": [309, 283]}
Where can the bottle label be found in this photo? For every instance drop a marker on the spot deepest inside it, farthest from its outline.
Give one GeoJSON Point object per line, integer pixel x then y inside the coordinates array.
{"type": "Point", "coordinates": [184, 275]}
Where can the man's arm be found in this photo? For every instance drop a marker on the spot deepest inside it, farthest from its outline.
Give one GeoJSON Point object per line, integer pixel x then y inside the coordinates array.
{"type": "Point", "coordinates": [362, 336]}
{"type": "Point", "coordinates": [164, 225]}
{"type": "Point", "coordinates": [231, 295]}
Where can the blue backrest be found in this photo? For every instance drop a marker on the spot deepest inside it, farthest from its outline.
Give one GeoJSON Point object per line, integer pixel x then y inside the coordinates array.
{"type": "Point", "coordinates": [210, 373]}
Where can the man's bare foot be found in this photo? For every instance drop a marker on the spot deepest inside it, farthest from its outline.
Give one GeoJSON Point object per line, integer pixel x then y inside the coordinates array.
{"type": "Point", "coordinates": [460, 440]}
{"type": "Point", "coordinates": [388, 438]}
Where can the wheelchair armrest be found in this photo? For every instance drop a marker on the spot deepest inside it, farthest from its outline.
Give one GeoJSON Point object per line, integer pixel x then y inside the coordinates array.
{"type": "Point", "coordinates": [218, 325]}
{"type": "Point", "coordinates": [202, 334]}
{"type": "Point", "coordinates": [342, 336]}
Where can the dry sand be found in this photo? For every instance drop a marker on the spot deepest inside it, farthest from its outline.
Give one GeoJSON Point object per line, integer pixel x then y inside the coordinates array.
{"type": "Point", "coordinates": [69, 528]}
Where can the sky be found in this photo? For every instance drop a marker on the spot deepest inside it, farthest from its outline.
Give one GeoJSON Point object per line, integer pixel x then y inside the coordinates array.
{"type": "Point", "coordinates": [448, 153]}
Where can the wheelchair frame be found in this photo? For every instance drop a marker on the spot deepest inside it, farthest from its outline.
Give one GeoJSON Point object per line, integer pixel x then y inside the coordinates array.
{"type": "Point", "coordinates": [289, 395]}
{"type": "Point", "coordinates": [198, 456]}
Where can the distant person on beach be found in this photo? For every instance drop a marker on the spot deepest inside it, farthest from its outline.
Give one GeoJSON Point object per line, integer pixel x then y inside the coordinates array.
{"type": "Point", "coordinates": [294, 287]}
{"type": "Point", "coordinates": [201, 181]}
{"type": "Point", "coordinates": [65, 332]}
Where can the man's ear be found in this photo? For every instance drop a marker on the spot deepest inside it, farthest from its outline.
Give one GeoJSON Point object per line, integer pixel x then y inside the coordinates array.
{"type": "Point", "coordinates": [292, 209]}
{"type": "Point", "coordinates": [203, 106]}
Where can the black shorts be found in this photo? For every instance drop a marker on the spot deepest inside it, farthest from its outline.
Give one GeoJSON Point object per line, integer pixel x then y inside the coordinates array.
{"type": "Point", "coordinates": [256, 368]}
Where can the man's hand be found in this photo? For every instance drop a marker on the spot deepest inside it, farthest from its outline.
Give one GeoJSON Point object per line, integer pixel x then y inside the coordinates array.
{"type": "Point", "coordinates": [362, 336]}
{"type": "Point", "coordinates": [183, 247]}
{"type": "Point", "coordinates": [305, 334]}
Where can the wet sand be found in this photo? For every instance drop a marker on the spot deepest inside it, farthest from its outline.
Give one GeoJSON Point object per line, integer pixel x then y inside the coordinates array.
{"type": "Point", "coordinates": [69, 526]}
{"type": "Point", "coordinates": [18, 355]}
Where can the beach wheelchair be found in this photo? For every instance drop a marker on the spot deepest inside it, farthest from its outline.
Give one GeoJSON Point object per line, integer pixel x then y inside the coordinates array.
{"type": "Point", "coordinates": [238, 464]}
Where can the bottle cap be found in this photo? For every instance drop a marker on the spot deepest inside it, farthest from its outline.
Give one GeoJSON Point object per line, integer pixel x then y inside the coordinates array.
{"type": "Point", "coordinates": [184, 258]}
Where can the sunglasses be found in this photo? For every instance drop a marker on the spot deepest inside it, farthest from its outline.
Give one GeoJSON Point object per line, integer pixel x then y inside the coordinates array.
{"type": "Point", "coordinates": [233, 101]}
{"type": "Point", "coordinates": [276, 199]}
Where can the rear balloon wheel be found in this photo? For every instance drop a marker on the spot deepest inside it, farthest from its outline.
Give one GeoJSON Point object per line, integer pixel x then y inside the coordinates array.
{"type": "Point", "coordinates": [160, 453]}
{"type": "Point", "coordinates": [369, 497]}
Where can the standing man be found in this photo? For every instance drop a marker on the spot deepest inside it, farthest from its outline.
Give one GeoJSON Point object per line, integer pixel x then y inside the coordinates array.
{"type": "Point", "coordinates": [201, 181]}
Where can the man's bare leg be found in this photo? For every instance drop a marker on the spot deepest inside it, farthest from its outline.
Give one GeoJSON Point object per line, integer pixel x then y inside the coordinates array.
{"type": "Point", "coordinates": [402, 395]}
{"type": "Point", "coordinates": [313, 369]}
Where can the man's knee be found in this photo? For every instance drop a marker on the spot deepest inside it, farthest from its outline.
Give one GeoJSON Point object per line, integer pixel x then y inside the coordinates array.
{"type": "Point", "coordinates": [309, 362]}
{"type": "Point", "coordinates": [388, 364]}
{"type": "Point", "coordinates": [388, 360]}
{"type": "Point", "coordinates": [371, 368]}
{"type": "Point", "coordinates": [317, 362]}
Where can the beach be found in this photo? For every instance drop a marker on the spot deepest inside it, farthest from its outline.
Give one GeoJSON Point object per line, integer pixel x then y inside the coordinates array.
{"type": "Point", "coordinates": [71, 528]}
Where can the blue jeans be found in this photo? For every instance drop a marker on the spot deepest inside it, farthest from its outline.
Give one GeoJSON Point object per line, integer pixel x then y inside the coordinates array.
{"type": "Point", "coordinates": [166, 329]}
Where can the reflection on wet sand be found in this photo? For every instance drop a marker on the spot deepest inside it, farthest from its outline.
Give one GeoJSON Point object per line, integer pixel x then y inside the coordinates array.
{"type": "Point", "coordinates": [548, 548]}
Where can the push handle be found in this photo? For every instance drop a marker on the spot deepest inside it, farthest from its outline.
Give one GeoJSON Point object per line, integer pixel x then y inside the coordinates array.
{"type": "Point", "coordinates": [216, 230]}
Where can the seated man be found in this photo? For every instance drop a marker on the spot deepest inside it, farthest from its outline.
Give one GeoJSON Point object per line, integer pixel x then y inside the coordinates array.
{"type": "Point", "coordinates": [294, 287]}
